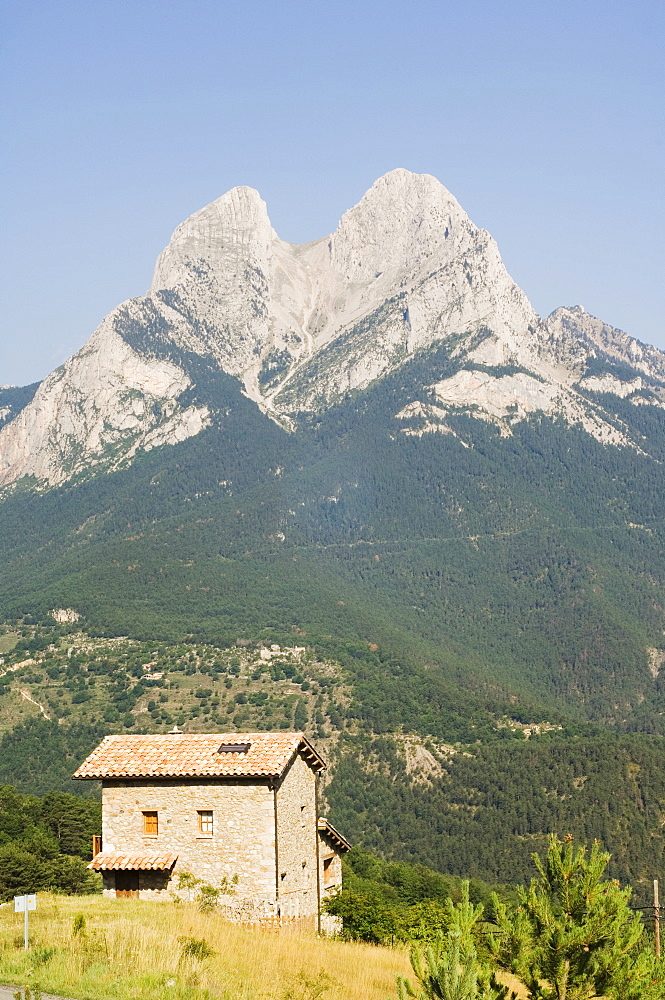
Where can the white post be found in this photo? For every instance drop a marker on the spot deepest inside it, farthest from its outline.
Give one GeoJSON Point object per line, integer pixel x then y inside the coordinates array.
{"type": "Point", "coordinates": [22, 904]}
{"type": "Point", "coordinates": [656, 917]}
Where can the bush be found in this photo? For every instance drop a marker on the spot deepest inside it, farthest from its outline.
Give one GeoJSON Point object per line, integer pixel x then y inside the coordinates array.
{"type": "Point", "coordinates": [195, 948]}
{"type": "Point", "coordinates": [426, 921]}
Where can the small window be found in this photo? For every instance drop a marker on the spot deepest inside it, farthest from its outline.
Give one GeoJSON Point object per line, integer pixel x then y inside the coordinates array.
{"type": "Point", "coordinates": [328, 872]}
{"type": "Point", "coordinates": [234, 748]}
{"type": "Point", "coordinates": [205, 822]}
{"type": "Point", "coordinates": [150, 824]}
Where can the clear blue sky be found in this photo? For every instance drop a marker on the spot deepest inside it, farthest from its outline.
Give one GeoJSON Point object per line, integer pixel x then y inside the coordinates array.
{"type": "Point", "coordinates": [121, 117]}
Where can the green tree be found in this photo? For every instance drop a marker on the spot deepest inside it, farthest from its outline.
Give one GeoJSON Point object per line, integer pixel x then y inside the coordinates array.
{"type": "Point", "coordinates": [22, 871]}
{"type": "Point", "coordinates": [573, 935]}
{"type": "Point", "coordinates": [300, 717]}
{"type": "Point", "coordinates": [426, 920]}
{"type": "Point", "coordinates": [365, 916]}
{"type": "Point", "coordinates": [72, 820]}
{"type": "Point", "coordinates": [450, 968]}
{"type": "Point", "coordinates": [72, 877]}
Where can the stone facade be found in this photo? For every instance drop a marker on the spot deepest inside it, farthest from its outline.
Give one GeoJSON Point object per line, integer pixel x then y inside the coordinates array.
{"type": "Point", "coordinates": [261, 834]}
{"type": "Point", "coordinates": [297, 885]}
{"type": "Point", "coordinates": [242, 842]}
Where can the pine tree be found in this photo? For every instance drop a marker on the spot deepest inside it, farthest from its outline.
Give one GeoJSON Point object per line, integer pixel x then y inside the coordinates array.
{"type": "Point", "coordinates": [451, 969]}
{"type": "Point", "coordinates": [574, 936]}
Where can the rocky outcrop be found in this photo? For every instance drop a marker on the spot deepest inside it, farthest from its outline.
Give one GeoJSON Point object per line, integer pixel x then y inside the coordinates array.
{"type": "Point", "coordinates": [505, 400]}
{"type": "Point", "coordinates": [592, 338]}
{"type": "Point", "coordinates": [303, 325]}
{"type": "Point", "coordinates": [99, 408]}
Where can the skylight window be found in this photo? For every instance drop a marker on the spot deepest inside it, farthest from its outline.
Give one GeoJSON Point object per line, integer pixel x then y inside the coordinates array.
{"type": "Point", "coordinates": [234, 748]}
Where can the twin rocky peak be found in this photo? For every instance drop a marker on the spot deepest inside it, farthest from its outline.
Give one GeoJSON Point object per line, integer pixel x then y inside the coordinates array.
{"type": "Point", "coordinates": [301, 326]}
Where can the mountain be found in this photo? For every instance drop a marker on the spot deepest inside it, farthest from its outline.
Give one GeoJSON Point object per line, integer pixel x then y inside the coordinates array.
{"type": "Point", "coordinates": [303, 326]}
{"type": "Point", "coordinates": [370, 446]}
{"type": "Point", "coordinates": [13, 399]}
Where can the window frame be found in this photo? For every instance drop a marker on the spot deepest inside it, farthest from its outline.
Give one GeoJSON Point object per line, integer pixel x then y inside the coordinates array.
{"type": "Point", "coordinates": [328, 870]}
{"type": "Point", "coordinates": [150, 816]}
{"type": "Point", "coordinates": [209, 815]}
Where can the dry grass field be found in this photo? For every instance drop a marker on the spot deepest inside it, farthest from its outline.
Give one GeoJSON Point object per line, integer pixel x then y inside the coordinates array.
{"type": "Point", "coordinates": [7, 641]}
{"type": "Point", "coordinates": [135, 950]}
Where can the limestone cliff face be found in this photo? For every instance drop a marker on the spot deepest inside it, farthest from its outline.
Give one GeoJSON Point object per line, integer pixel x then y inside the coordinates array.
{"type": "Point", "coordinates": [302, 325]}
{"type": "Point", "coordinates": [100, 407]}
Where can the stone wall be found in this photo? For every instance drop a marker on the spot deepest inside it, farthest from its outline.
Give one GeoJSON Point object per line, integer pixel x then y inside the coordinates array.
{"type": "Point", "coordinates": [297, 842]}
{"type": "Point", "coordinates": [331, 867]}
{"type": "Point", "coordinates": [330, 861]}
{"type": "Point", "coordinates": [242, 842]}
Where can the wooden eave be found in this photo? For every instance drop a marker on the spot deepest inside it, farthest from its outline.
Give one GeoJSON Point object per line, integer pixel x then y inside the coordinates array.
{"type": "Point", "coordinates": [329, 831]}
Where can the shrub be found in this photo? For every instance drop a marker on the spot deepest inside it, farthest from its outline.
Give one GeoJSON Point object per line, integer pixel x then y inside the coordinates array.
{"type": "Point", "coordinates": [197, 948]}
{"type": "Point", "coordinates": [365, 916]}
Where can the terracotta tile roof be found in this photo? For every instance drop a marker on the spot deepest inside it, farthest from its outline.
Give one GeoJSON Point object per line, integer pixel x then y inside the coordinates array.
{"type": "Point", "coordinates": [197, 755]}
{"type": "Point", "coordinates": [132, 862]}
{"type": "Point", "coordinates": [329, 831]}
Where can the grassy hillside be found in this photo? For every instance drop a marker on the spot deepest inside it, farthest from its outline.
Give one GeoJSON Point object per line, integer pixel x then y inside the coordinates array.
{"type": "Point", "coordinates": [130, 949]}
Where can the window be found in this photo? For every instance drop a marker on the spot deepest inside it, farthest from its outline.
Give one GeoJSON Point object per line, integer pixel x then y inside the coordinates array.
{"type": "Point", "coordinates": [205, 822]}
{"type": "Point", "coordinates": [150, 824]}
{"type": "Point", "coordinates": [328, 872]}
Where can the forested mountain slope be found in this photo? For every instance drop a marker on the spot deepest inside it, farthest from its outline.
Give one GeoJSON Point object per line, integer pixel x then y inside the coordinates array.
{"type": "Point", "coordinates": [522, 568]}
{"type": "Point", "coordinates": [478, 806]}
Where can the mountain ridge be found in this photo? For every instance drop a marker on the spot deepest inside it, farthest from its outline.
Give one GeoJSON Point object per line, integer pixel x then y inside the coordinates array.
{"type": "Point", "coordinates": [302, 326]}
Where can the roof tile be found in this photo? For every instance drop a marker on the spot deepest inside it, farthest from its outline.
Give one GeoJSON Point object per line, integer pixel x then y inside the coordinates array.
{"type": "Point", "coordinates": [196, 755]}
{"type": "Point", "coordinates": [107, 861]}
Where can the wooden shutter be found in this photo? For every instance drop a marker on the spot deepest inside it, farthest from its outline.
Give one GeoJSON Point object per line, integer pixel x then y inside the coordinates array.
{"type": "Point", "coordinates": [150, 824]}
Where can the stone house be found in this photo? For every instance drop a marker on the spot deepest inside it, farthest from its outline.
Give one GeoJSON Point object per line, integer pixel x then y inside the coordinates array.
{"type": "Point", "coordinates": [234, 809]}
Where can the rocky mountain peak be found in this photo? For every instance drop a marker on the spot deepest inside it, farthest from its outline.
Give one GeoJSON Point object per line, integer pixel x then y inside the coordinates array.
{"type": "Point", "coordinates": [403, 220]}
{"type": "Point", "coordinates": [303, 325]}
{"type": "Point", "coordinates": [235, 227]}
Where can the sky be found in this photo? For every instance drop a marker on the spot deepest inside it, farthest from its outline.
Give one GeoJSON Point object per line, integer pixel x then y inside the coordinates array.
{"type": "Point", "coordinates": [119, 118]}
